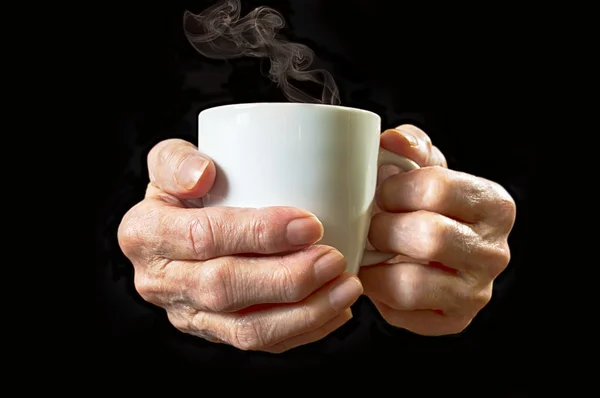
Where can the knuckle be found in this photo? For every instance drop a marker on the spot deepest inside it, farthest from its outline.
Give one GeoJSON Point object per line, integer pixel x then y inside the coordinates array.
{"type": "Point", "coordinates": [457, 297]}
{"type": "Point", "coordinates": [496, 259]}
{"type": "Point", "coordinates": [288, 284]}
{"type": "Point", "coordinates": [247, 335]}
{"type": "Point", "coordinates": [147, 287]}
{"type": "Point", "coordinates": [482, 297]}
{"type": "Point", "coordinates": [295, 276]}
{"type": "Point", "coordinates": [217, 287]}
{"type": "Point", "coordinates": [128, 234]}
{"type": "Point", "coordinates": [138, 231]}
{"type": "Point", "coordinates": [158, 232]}
{"type": "Point", "coordinates": [179, 322]}
{"type": "Point", "coordinates": [201, 235]}
{"type": "Point", "coordinates": [507, 211]}
{"type": "Point", "coordinates": [434, 231]}
{"type": "Point", "coordinates": [434, 187]}
{"type": "Point", "coordinates": [258, 229]}
{"type": "Point", "coordinates": [197, 325]}
{"type": "Point", "coordinates": [309, 318]}
{"type": "Point", "coordinates": [505, 208]}
{"type": "Point", "coordinates": [502, 258]}
{"type": "Point", "coordinates": [192, 323]}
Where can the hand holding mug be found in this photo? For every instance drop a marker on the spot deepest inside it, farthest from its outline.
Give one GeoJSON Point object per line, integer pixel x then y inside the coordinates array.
{"type": "Point", "coordinates": [450, 229]}
{"type": "Point", "coordinates": [251, 278]}
{"type": "Point", "coordinates": [227, 248]}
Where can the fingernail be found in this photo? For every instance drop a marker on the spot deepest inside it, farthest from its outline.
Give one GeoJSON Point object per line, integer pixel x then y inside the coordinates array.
{"type": "Point", "coordinates": [412, 140]}
{"type": "Point", "coordinates": [329, 266]}
{"type": "Point", "coordinates": [190, 171]}
{"type": "Point", "coordinates": [345, 293]}
{"type": "Point", "coordinates": [304, 231]}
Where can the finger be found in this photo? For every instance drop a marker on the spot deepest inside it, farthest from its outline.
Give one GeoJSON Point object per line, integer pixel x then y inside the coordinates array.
{"type": "Point", "coordinates": [313, 335]}
{"type": "Point", "coordinates": [454, 194]}
{"type": "Point", "coordinates": [412, 142]}
{"type": "Point", "coordinates": [410, 286]}
{"type": "Point", "coordinates": [202, 234]}
{"type": "Point", "coordinates": [265, 328]}
{"type": "Point", "coordinates": [424, 322]}
{"type": "Point", "coordinates": [176, 167]}
{"type": "Point", "coordinates": [181, 321]}
{"type": "Point", "coordinates": [433, 237]}
{"type": "Point", "coordinates": [229, 284]}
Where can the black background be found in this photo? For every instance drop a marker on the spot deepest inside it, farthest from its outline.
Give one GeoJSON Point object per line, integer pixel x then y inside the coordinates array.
{"type": "Point", "coordinates": [410, 66]}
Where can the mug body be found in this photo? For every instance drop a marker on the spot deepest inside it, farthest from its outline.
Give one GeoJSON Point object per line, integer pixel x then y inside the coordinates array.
{"type": "Point", "coordinates": [320, 158]}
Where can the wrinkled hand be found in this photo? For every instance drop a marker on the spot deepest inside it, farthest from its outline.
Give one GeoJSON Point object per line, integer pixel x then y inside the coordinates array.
{"type": "Point", "coordinates": [251, 278]}
{"type": "Point", "coordinates": [450, 229]}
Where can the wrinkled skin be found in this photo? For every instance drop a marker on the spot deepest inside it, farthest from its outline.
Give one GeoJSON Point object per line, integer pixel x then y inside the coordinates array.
{"type": "Point", "coordinates": [256, 279]}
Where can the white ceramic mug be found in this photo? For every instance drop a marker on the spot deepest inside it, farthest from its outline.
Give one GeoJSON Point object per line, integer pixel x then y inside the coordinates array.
{"type": "Point", "coordinates": [320, 158]}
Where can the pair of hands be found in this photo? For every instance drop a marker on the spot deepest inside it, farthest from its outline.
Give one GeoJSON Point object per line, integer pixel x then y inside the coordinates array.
{"type": "Point", "coordinates": [255, 279]}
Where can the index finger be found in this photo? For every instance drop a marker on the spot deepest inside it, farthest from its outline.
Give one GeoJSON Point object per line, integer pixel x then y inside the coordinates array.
{"type": "Point", "coordinates": [201, 234]}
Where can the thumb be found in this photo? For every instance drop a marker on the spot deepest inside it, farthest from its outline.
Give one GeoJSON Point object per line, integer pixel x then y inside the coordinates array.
{"type": "Point", "coordinates": [178, 168]}
{"type": "Point", "coordinates": [412, 142]}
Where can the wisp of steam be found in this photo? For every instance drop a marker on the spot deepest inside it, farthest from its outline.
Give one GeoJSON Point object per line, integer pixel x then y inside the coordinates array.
{"type": "Point", "coordinates": [220, 32]}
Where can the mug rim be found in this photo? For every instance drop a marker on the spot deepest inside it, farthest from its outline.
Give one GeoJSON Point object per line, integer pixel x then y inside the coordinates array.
{"type": "Point", "coordinates": [244, 105]}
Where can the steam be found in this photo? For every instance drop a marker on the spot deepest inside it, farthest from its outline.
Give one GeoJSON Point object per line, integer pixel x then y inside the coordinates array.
{"type": "Point", "coordinates": [219, 32]}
